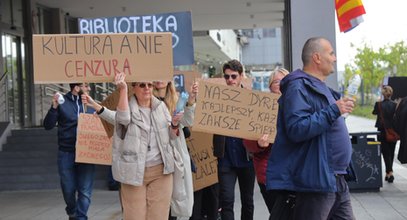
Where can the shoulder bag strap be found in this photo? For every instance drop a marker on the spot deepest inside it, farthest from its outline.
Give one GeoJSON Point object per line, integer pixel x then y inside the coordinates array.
{"type": "Point", "coordinates": [381, 114]}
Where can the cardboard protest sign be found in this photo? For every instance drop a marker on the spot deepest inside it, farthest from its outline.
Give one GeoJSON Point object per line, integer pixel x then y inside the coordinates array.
{"type": "Point", "coordinates": [178, 23]}
{"type": "Point", "coordinates": [92, 144]}
{"type": "Point", "coordinates": [246, 82]}
{"type": "Point", "coordinates": [72, 58]}
{"type": "Point", "coordinates": [201, 152]}
{"type": "Point", "coordinates": [236, 112]}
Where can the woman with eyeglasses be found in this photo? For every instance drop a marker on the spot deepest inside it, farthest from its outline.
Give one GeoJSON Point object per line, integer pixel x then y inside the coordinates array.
{"type": "Point", "coordinates": [181, 206]}
{"type": "Point", "coordinates": [261, 148]}
{"type": "Point", "coordinates": [143, 158]}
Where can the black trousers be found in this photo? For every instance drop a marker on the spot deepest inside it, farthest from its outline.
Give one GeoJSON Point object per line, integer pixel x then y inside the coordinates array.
{"type": "Point", "coordinates": [388, 154]}
{"type": "Point", "coordinates": [206, 203]}
{"type": "Point", "coordinates": [268, 196]}
{"type": "Point", "coordinates": [227, 182]}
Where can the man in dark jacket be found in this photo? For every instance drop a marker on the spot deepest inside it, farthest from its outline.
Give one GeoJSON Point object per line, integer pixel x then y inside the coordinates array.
{"type": "Point", "coordinates": [75, 178]}
{"type": "Point", "coordinates": [312, 148]}
{"type": "Point", "coordinates": [400, 120]}
{"type": "Point", "coordinates": [233, 160]}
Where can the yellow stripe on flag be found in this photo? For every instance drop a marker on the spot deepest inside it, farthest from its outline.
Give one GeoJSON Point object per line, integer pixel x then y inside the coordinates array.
{"type": "Point", "coordinates": [348, 6]}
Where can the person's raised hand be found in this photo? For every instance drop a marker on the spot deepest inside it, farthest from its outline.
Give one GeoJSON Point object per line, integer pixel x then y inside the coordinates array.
{"type": "Point", "coordinates": [345, 105]}
{"type": "Point", "coordinates": [119, 81]}
{"type": "Point", "coordinates": [55, 100]}
{"type": "Point", "coordinates": [263, 141]}
{"type": "Point", "coordinates": [86, 99]}
{"type": "Point", "coordinates": [194, 93]}
{"type": "Point", "coordinates": [176, 118]}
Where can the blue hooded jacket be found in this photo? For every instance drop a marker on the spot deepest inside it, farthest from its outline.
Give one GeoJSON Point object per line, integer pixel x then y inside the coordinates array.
{"type": "Point", "coordinates": [66, 115]}
{"type": "Point", "coordinates": [301, 158]}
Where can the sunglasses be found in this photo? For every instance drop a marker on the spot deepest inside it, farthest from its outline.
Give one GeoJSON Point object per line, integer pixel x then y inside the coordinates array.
{"type": "Point", "coordinates": [143, 85]}
{"type": "Point", "coordinates": [226, 76]}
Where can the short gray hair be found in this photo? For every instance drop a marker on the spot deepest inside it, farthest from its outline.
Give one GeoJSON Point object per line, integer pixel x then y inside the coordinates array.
{"type": "Point", "coordinates": [311, 46]}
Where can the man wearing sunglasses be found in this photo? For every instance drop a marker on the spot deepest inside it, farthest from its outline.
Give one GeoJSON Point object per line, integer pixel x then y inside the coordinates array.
{"type": "Point", "coordinates": [76, 178]}
{"type": "Point", "coordinates": [234, 162]}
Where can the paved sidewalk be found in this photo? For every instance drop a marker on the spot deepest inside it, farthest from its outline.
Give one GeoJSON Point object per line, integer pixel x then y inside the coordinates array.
{"type": "Point", "coordinates": [388, 204]}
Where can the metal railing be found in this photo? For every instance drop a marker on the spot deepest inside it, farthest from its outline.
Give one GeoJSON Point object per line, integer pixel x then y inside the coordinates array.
{"type": "Point", "coordinates": [3, 97]}
{"type": "Point", "coordinates": [102, 91]}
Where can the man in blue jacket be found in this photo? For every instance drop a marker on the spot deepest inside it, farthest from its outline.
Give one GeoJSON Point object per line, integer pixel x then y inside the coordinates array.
{"type": "Point", "coordinates": [312, 148]}
{"type": "Point", "coordinates": [74, 177]}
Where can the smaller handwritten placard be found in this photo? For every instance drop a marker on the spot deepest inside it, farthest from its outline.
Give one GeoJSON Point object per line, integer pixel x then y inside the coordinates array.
{"type": "Point", "coordinates": [92, 143]}
{"type": "Point", "coordinates": [201, 152]}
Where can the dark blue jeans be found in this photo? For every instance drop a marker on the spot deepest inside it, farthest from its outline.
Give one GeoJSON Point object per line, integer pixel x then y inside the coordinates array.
{"type": "Point", "coordinates": [75, 178]}
{"type": "Point", "coordinates": [325, 206]}
{"type": "Point", "coordinates": [227, 182]}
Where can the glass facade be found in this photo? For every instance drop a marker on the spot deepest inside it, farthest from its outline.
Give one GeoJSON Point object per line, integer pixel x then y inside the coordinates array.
{"type": "Point", "coordinates": [14, 98]}
{"type": "Point", "coordinates": [15, 78]}
{"type": "Point", "coordinates": [11, 12]}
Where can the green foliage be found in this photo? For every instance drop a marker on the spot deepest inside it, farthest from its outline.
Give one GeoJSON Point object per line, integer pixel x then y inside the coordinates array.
{"type": "Point", "coordinates": [364, 111]}
{"type": "Point", "coordinates": [395, 57]}
{"type": "Point", "coordinates": [374, 65]}
{"type": "Point", "coordinates": [349, 72]}
{"type": "Point", "coordinates": [371, 68]}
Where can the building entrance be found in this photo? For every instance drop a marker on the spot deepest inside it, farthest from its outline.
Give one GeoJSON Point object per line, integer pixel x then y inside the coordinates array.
{"type": "Point", "coordinates": [14, 99]}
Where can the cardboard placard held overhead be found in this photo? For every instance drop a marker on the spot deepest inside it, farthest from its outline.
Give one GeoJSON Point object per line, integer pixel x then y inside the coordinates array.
{"type": "Point", "coordinates": [236, 112]}
{"type": "Point", "coordinates": [72, 58]}
{"type": "Point", "coordinates": [92, 143]}
{"type": "Point", "coordinates": [201, 151]}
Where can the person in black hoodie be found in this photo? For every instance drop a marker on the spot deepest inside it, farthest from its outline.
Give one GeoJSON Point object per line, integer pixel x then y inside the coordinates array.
{"type": "Point", "coordinates": [385, 111]}
{"type": "Point", "coordinates": [75, 178]}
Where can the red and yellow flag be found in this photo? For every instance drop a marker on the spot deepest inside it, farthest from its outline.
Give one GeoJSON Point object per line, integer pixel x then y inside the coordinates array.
{"type": "Point", "coordinates": [350, 13]}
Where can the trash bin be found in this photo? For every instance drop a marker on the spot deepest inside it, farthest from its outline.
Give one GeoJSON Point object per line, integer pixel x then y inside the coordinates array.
{"type": "Point", "coordinates": [367, 162]}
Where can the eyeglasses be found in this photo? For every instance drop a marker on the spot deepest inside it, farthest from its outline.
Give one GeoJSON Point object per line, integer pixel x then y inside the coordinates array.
{"type": "Point", "coordinates": [275, 82]}
{"type": "Point", "coordinates": [226, 76]}
{"type": "Point", "coordinates": [143, 85]}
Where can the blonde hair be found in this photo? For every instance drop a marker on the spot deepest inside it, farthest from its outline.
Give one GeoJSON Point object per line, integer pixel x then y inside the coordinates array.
{"type": "Point", "coordinates": [387, 92]}
{"type": "Point", "coordinates": [274, 72]}
{"type": "Point", "coordinates": [170, 98]}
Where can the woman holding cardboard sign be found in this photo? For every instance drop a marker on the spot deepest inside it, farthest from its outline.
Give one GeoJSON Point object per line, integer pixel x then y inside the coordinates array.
{"type": "Point", "coordinates": [143, 159]}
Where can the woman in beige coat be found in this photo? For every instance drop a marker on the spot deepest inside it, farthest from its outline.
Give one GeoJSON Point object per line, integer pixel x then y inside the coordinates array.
{"type": "Point", "coordinates": [143, 159]}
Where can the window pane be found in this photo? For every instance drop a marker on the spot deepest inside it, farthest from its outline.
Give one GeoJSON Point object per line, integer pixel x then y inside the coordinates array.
{"type": "Point", "coordinates": [5, 11]}
{"type": "Point", "coordinates": [18, 13]}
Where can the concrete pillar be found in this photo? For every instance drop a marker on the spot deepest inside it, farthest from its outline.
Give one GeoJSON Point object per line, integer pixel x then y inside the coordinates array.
{"type": "Point", "coordinates": [312, 18]}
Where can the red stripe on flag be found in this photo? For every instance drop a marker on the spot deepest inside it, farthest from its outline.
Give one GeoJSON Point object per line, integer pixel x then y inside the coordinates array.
{"type": "Point", "coordinates": [344, 20]}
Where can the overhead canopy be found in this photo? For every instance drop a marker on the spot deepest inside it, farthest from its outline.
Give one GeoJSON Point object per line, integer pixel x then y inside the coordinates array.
{"type": "Point", "coordinates": [206, 14]}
